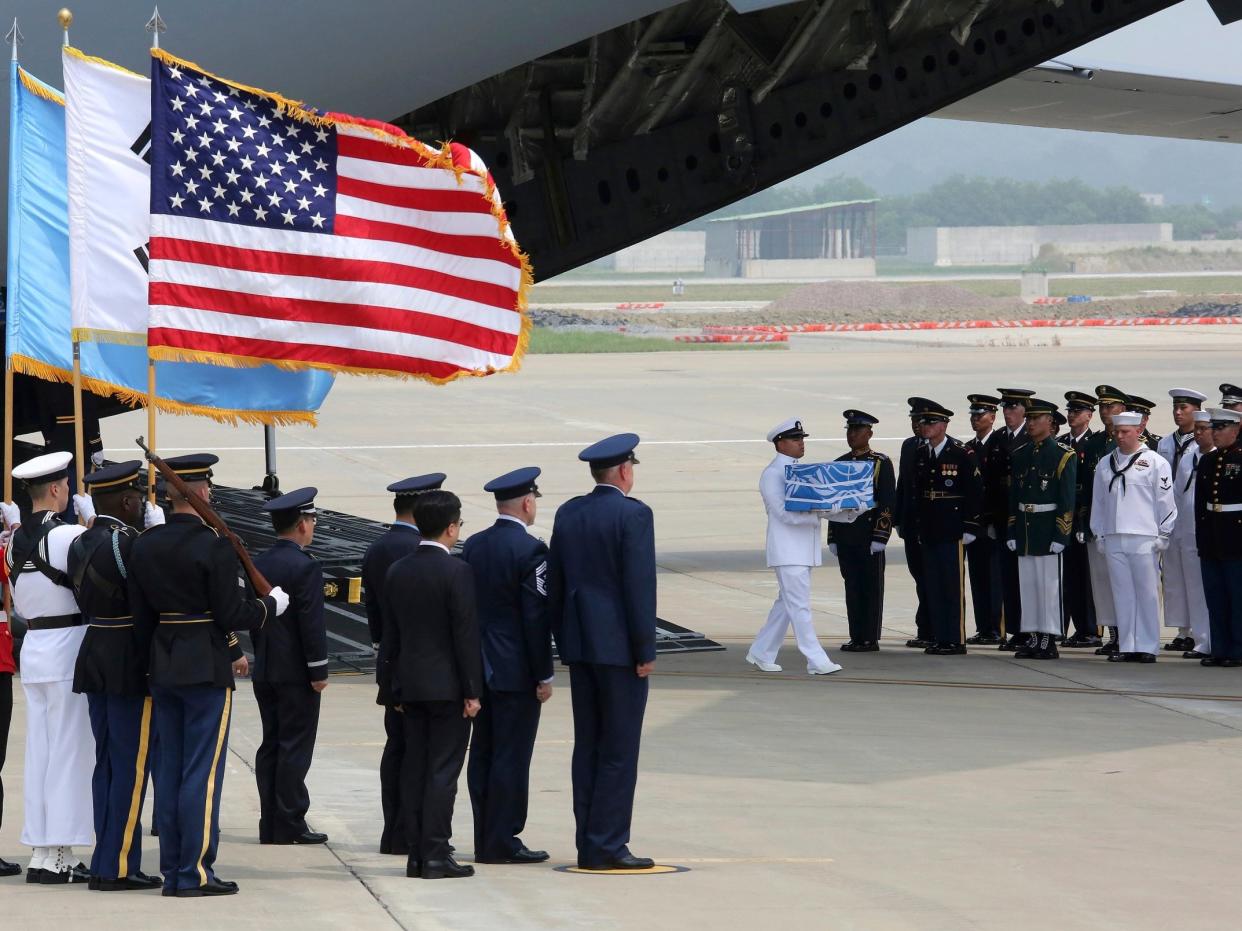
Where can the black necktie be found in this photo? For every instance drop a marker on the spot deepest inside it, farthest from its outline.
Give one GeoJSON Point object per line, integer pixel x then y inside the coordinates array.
{"type": "Point", "coordinates": [1180, 451]}
{"type": "Point", "coordinates": [1121, 473]}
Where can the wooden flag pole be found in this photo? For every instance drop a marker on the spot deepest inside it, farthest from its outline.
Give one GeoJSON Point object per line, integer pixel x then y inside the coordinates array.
{"type": "Point", "coordinates": [151, 427]}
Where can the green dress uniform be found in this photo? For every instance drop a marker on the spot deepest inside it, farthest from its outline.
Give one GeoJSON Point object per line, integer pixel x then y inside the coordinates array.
{"type": "Point", "coordinates": [1077, 604]}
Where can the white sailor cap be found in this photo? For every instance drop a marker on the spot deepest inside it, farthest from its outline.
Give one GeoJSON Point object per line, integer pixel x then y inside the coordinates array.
{"type": "Point", "coordinates": [1187, 395]}
{"type": "Point", "coordinates": [1225, 417]}
{"type": "Point", "coordinates": [1127, 419]}
{"type": "Point", "coordinates": [1203, 417]}
{"type": "Point", "coordinates": [45, 468]}
{"type": "Point", "coordinates": [790, 429]}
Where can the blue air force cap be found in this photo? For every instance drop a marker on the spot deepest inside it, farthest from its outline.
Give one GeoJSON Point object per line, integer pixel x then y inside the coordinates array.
{"type": "Point", "coordinates": [418, 484]}
{"type": "Point", "coordinates": [115, 477]}
{"type": "Point", "coordinates": [612, 451]}
{"type": "Point", "coordinates": [195, 467]}
{"type": "Point", "coordinates": [515, 484]}
{"type": "Point", "coordinates": [855, 418]}
{"type": "Point", "coordinates": [300, 500]}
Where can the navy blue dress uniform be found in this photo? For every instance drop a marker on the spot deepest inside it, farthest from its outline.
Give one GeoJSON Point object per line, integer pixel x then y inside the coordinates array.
{"type": "Point", "coordinates": [948, 495]}
{"type": "Point", "coordinates": [998, 470]}
{"type": "Point", "coordinates": [188, 597]}
{"type": "Point", "coordinates": [905, 520]}
{"type": "Point", "coordinates": [1143, 406]}
{"type": "Point", "coordinates": [1078, 603]}
{"type": "Point", "coordinates": [860, 546]}
{"type": "Point", "coordinates": [510, 582]}
{"type": "Point", "coordinates": [111, 670]}
{"type": "Point", "coordinates": [1218, 536]}
{"type": "Point", "coordinates": [400, 539]}
{"type": "Point", "coordinates": [602, 604]}
{"type": "Point", "coordinates": [290, 653]}
{"type": "Point", "coordinates": [983, 555]}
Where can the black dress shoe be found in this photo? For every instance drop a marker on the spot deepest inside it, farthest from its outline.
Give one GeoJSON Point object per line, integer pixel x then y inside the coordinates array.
{"type": "Point", "coordinates": [984, 639]}
{"type": "Point", "coordinates": [1211, 661]}
{"type": "Point", "coordinates": [413, 869]}
{"type": "Point", "coordinates": [1231, 662]}
{"type": "Point", "coordinates": [945, 649]}
{"type": "Point", "coordinates": [523, 855]}
{"type": "Point", "coordinates": [35, 875]}
{"type": "Point", "coordinates": [1048, 652]}
{"type": "Point", "coordinates": [448, 868]}
{"type": "Point", "coordinates": [215, 887]}
{"type": "Point", "coordinates": [628, 862]}
{"type": "Point", "coordinates": [9, 869]}
{"type": "Point", "coordinates": [917, 643]}
{"type": "Point", "coordinates": [1195, 654]}
{"type": "Point", "coordinates": [78, 873]}
{"type": "Point", "coordinates": [1178, 644]}
{"type": "Point", "coordinates": [139, 880]}
{"type": "Point", "coordinates": [1006, 646]}
{"type": "Point", "coordinates": [1078, 642]}
{"type": "Point", "coordinates": [1144, 657]}
{"type": "Point", "coordinates": [307, 837]}
{"type": "Point", "coordinates": [859, 646]}
{"type": "Point", "coordinates": [1109, 649]}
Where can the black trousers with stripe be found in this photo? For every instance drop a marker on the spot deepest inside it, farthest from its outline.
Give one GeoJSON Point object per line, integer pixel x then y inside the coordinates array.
{"type": "Point", "coordinates": [943, 571]}
{"type": "Point", "coordinates": [915, 562]}
{"type": "Point", "coordinates": [122, 725]}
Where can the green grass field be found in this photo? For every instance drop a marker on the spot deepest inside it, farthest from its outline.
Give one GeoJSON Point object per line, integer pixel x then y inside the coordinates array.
{"type": "Point", "coordinates": [550, 341]}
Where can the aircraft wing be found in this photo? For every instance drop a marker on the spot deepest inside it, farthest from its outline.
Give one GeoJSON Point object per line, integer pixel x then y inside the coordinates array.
{"type": "Point", "coordinates": [1103, 100]}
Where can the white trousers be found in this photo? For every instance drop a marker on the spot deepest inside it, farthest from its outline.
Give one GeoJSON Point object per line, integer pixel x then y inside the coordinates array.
{"type": "Point", "coordinates": [1135, 584]}
{"type": "Point", "coordinates": [1185, 606]}
{"type": "Point", "coordinates": [60, 760]}
{"type": "Point", "coordinates": [1101, 589]}
{"type": "Point", "coordinates": [1039, 584]}
{"type": "Point", "coordinates": [792, 606]}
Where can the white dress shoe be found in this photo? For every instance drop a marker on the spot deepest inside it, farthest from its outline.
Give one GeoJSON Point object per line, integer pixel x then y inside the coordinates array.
{"type": "Point", "coordinates": [823, 670]}
{"type": "Point", "coordinates": [761, 665]}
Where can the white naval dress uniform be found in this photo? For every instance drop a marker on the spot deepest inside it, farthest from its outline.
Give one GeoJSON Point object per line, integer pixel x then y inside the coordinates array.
{"type": "Point", "coordinates": [1132, 508]}
{"type": "Point", "coordinates": [60, 746]}
{"type": "Point", "coordinates": [1175, 447]}
{"type": "Point", "coordinates": [1185, 606]}
{"type": "Point", "coordinates": [794, 546]}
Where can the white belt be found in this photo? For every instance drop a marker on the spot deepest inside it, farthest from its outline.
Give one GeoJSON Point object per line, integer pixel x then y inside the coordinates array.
{"type": "Point", "coordinates": [1043, 508]}
{"type": "Point", "coordinates": [1219, 508]}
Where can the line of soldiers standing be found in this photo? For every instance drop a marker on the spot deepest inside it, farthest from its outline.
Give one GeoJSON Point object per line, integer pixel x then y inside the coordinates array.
{"type": "Point", "coordinates": [1094, 530]}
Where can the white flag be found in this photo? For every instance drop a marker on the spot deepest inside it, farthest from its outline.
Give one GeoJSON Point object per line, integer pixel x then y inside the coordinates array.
{"type": "Point", "coordinates": [107, 141]}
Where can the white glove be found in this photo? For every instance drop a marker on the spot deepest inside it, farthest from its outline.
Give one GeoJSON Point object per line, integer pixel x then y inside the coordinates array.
{"type": "Point", "coordinates": [97, 459]}
{"type": "Point", "coordinates": [1099, 544]}
{"type": "Point", "coordinates": [12, 514]}
{"type": "Point", "coordinates": [281, 599]}
{"type": "Point", "coordinates": [5, 537]}
{"type": "Point", "coordinates": [151, 515]}
{"type": "Point", "coordinates": [84, 507]}
{"type": "Point", "coordinates": [1080, 537]}
{"type": "Point", "coordinates": [968, 538]}
{"type": "Point", "coordinates": [1056, 548]}
{"type": "Point", "coordinates": [1012, 545]}
{"type": "Point", "coordinates": [1162, 544]}
{"type": "Point", "coordinates": [877, 547]}
{"type": "Point", "coordinates": [832, 548]}
{"type": "Point", "coordinates": [991, 533]}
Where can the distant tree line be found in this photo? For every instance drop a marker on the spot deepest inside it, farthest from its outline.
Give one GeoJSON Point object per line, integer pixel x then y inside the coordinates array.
{"type": "Point", "coordinates": [966, 201]}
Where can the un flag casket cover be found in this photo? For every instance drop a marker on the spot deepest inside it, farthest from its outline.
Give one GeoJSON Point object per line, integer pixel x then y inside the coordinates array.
{"type": "Point", "coordinates": [830, 486]}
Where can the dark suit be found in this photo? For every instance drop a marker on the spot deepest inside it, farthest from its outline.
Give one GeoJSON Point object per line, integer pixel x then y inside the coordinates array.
{"type": "Point", "coordinates": [398, 540]}
{"type": "Point", "coordinates": [1078, 602]}
{"type": "Point", "coordinates": [996, 472]}
{"type": "Point", "coordinates": [510, 576]}
{"type": "Point", "coordinates": [905, 519]}
{"type": "Point", "coordinates": [983, 556]}
{"type": "Point", "coordinates": [290, 653]}
{"type": "Point", "coordinates": [602, 604]}
{"type": "Point", "coordinates": [861, 571]}
{"type": "Point", "coordinates": [433, 634]}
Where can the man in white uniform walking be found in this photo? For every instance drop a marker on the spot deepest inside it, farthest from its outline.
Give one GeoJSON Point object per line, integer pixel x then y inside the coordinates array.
{"type": "Point", "coordinates": [793, 548]}
{"type": "Point", "coordinates": [1132, 518]}
{"type": "Point", "coordinates": [60, 747]}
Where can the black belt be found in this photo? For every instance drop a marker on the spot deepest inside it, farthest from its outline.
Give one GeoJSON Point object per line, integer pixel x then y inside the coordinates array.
{"type": "Point", "coordinates": [126, 621]}
{"type": "Point", "coordinates": [173, 617]}
{"type": "Point", "coordinates": [56, 622]}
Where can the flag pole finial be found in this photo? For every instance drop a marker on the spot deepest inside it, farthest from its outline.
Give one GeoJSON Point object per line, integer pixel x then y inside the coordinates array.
{"type": "Point", "coordinates": [156, 25]}
{"type": "Point", "coordinates": [14, 38]}
{"type": "Point", "coordinates": [65, 18]}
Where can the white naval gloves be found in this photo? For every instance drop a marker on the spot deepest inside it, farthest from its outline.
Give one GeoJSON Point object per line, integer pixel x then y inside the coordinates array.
{"type": "Point", "coordinates": [1012, 545]}
{"type": "Point", "coordinates": [967, 539]}
{"type": "Point", "coordinates": [281, 599]}
{"type": "Point", "coordinates": [1081, 537]}
{"type": "Point", "coordinates": [991, 533]}
{"type": "Point", "coordinates": [97, 459]}
{"type": "Point", "coordinates": [1056, 548]}
{"type": "Point", "coordinates": [1162, 544]}
{"type": "Point", "coordinates": [876, 547]}
{"type": "Point", "coordinates": [84, 507]}
{"type": "Point", "coordinates": [12, 514]}
{"type": "Point", "coordinates": [832, 548]}
{"type": "Point", "coordinates": [152, 516]}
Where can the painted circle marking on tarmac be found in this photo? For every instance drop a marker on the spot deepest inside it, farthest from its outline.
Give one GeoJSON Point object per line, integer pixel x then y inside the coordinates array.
{"type": "Point", "coordinates": [659, 869]}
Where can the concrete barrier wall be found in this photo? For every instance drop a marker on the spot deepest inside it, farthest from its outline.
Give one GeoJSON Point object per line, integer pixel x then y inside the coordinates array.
{"type": "Point", "coordinates": [1018, 245]}
{"type": "Point", "coordinates": [676, 251]}
{"type": "Point", "coordinates": [808, 268]}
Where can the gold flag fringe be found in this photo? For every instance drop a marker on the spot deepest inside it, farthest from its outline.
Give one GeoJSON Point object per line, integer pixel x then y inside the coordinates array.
{"type": "Point", "coordinates": [79, 54]}
{"type": "Point", "coordinates": [138, 399]}
{"type": "Point", "coordinates": [38, 88]}
{"type": "Point", "coordinates": [84, 335]}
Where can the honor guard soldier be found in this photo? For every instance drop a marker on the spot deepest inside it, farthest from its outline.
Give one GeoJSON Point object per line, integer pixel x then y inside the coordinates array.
{"type": "Point", "coordinates": [1174, 447]}
{"type": "Point", "coordinates": [996, 508]}
{"type": "Point", "coordinates": [400, 539]}
{"type": "Point", "coordinates": [983, 555]}
{"type": "Point", "coordinates": [1230, 397]}
{"type": "Point", "coordinates": [111, 672]}
{"type": "Point", "coordinates": [602, 606]}
{"type": "Point", "coordinates": [1111, 401]}
{"type": "Point", "coordinates": [511, 593]}
{"type": "Point", "coordinates": [859, 545]}
{"type": "Point", "coordinates": [1132, 517]}
{"type": "Point", "coordinates": [793, 549]}
{"type": "Point", "coordinates": [1041, 525]}
{"type": "Point", "coordinates": [59, 745]}
{"type": "Point", "coordinates": [1144, 407]}
{"type": "Point", "coordinates": [1078, 608]}
{"type": "Point", "coordinates": [1183, 571]}
{"type": "Point", "coordinates": [290, 673]}
{"type": "Point", "coordinates": [905, 517]}
{"type": "Point", "coordinates": [949, 497]}
{"type": "Point", "coordinates": [1218, 533]}
{"type": "Point", "coordinates": [188, 598]}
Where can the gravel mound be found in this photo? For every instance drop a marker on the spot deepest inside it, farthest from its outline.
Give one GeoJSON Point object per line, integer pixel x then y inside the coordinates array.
{"type": "Point", "coordinates": [852, 299]}
{"type": "Point", "coordinates": [1207, 309]}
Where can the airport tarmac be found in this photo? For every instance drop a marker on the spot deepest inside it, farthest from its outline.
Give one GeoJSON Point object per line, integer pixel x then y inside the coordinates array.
{"type": "Point", "coordinates": [906, 792]}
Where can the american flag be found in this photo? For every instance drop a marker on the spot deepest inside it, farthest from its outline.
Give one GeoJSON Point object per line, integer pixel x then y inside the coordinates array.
{"type": "Point", "coordinates": [328, 243]}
